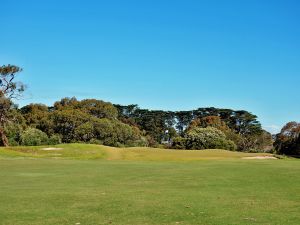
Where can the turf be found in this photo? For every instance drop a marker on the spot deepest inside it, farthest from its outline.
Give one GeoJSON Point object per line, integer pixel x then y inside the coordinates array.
{"type": "Point", "coordinates": [90, 184]}
{"type": "Point", "coordinates": [89, 151]}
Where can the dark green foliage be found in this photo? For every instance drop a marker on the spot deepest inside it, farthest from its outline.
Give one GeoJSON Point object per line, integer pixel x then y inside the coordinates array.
{"type": "Point", "coordinates": [84, 132]}
{"type": "Point", "coordinates": [113, 132]}
{"type": "Point", "coordinates": [142, 142]}
{"type": "Point", "coordinates": [33, 137]}
{"type": "Point", "coordinates": [184, 118]}
{"type": "Point", "coordinates": [91, 120]}
{"type": "Point", "coordinates": [81, 121]}
{"type": "Point", "coordinates": [288, 140]}
{"type": "Point", "coordinates": [154, 123]}
{"type": "Point", "coordinates": [66, 121]}
{"type": "Point", "coordinates": [95, 141]}
{"type": "Point", "coordinates": [13, 132]}
{"type": "Point", "coordinates": [207, 138]}
{"type": "Point", "coordinates": [179, 143]}
{"type": "Point", "coordinates": [95, 121]}
{"type": "Point", "coordinates": [96, 108]}
{"type": "Point", "coordinates": [204, 138]}
{"type": "Point", "coordinates": [55, 139]}
{"type": "Point", "coordinates": [9, 89]}
{"type": "Point", "coordinates": [37, 116]}
{"type": "Point", "coordinates": [238, 126]}
{"type": "Point", "coordinates": [34, 113]}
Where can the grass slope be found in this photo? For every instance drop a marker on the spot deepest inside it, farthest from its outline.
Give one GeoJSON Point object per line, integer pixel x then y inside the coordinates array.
{"type": "Point", "coordinates": [137, 189]}
{"type": "Point", "coordinates": [89, 151]}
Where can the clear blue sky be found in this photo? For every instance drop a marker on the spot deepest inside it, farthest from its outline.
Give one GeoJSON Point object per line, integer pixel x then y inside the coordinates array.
{"type": "Point", "coordinates": [160, 54]}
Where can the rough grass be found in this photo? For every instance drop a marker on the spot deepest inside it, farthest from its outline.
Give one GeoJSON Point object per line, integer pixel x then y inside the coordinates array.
{"type": "Point", "coordinates": [89, 151]}
{"type": "Point", "coordinates": [132, 187]}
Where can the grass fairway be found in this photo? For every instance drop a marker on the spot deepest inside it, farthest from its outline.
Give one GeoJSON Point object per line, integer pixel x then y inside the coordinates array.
{"type": "Point", "coordinates": [90, 184]}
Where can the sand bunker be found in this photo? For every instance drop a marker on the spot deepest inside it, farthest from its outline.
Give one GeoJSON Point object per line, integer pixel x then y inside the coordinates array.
{"type": "Point", "coordinates": [260, 157]}
{"type": "Point", "coordinates": [51, 149]}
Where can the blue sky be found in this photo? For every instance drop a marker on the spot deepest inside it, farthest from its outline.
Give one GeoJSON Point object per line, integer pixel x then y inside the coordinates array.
{"type": "Point", "coordinates": [173, 55]}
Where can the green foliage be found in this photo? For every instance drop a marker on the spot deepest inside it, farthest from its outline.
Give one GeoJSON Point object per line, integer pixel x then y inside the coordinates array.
{"type": "Point", "coordinates": [153, 123]}
{"type": "Point", "coordinates": [288, 140]}
{"type": "Point", "coordinates": [34, 113]}
{"type": "Point", "coordinates": [116, 125]}
{"type": "Point", "coordinates": [184, 118]}
{"type": "Point", "coordinates": [156, 123]}
{"type": "Point", "coordinates": [114, 133]}
{"type": "Point", "coordinates": [5, 107]}
{"type": "Point", "coordinates": [38, 116]}
{"type": "Point", "coordinates": [13, 132]}
{"type": "Point", "coordinates": [33, 137]}
{"type": "Point", "coordinates": [265, 142]}
{"type": "Point", "coordinates": [84, 132]}
{"type": "Point", "coordinates": [54, 139]}
{"type": "Point", "coordinates": [93, 107]}
{"type": "Point", "coordinates": [207, 138]}
{"type": "Point", "coordinates": [95, 141]}
{"type": "Point", "coordinates": [92, 120]}
{"type": "Point", "coordinates": [142, 142]}
{"type": "Point", "coordinates": [88, 120]}
{"type": "Point", "coordinates": [98, 108]}
{"type": "Point", "coordinates": [179, 143]}
{"type": "Point", "coordinates": [209, 121]}
{"type": "Point", "coordinates": [66, 121]}
{"type": "Point", "coordinates": [9, 89]}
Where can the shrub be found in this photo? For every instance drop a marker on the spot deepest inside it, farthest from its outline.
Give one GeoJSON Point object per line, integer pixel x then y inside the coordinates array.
{"type": "Point", "coordinates": [104, 131]}
{"type": "Point", "coordinates": [114, 133]}
{"type": "Point", "coordinates": [33, 137]}
{"type": "Point", "coordinates": [95, 141]}
{"type": "Point", "coordinates": [13, 132]}
{"type": "Point", "coordinates": [224, 144]}
{"type": "Point", "coordinates": [54, 140]}
{"type": "Point", "coordinates": [12, 142]}
{"type": "Point", "coordinates": [142, 142]}
{"type": "Point", "coordinates": [84, 132]}
{"type": "Point", "coordinates": [179, 143]}
{"type": "Point", "coordinates": [204, 138]}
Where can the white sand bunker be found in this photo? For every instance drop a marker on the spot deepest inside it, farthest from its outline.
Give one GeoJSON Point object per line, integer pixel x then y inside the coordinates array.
{"type": "Point", "coordinates": [52, 149]}
{"type": "Point", "coordinates": [260, 157]}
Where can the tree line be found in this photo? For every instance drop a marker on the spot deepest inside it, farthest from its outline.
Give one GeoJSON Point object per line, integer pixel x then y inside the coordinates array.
{"type": "Point", "coordinates": [96, 121]}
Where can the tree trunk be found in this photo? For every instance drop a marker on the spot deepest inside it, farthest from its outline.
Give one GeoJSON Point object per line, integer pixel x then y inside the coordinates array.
{"type": "Point", "coordinates": [3, 138]}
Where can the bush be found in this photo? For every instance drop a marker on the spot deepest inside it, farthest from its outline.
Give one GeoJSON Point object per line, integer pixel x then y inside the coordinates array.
{"type": "Point", "coordinates": [224, 144]}
{"type": "Point", "coordinates": [179, 143]}
{"type": "Point", "coordinates": [12, 142]}
{"type": "Point", "coordinates": [84, 132]}
{"type": "Point", "coordinates": [142, 142]}
{"type": "Point", "coordinates": [33, 137]}
{"type": "Point", "coordinates": [114, 133]}
{"type": "Point", "coordinates": [95, 141]}
{"type": "Point", "coordinates": [13, 132]}
{"type": "Point", "coordinates": [54, 140]}
{"type": "Point", "coordinates": [204, 138]}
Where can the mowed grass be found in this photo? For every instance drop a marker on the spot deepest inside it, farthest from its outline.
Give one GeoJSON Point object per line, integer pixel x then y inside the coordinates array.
{"type": "Point", "coordinates": [91, 184]}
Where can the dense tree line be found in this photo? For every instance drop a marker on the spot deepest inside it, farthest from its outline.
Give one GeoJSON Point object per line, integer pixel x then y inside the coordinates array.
{"type": "Point", "coordinates": [240, 127]}
{"type": "Point", "coordinates": [96, 121]}
{"type": "Point", "coordinates": [89, 120]}
{"type": "Point", "coordinates": [288, 140]}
